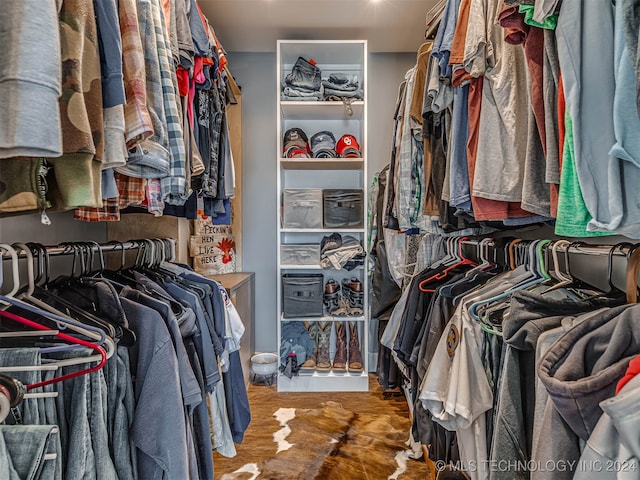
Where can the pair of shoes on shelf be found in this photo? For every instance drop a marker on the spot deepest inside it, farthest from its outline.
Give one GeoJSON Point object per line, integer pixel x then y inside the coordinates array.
{"type": "Point", "coordinates": [345, 303]}
{"type": "Point", "coordinates": [345, 357]}
{"type": "Point", "coordinates": [320, 333]}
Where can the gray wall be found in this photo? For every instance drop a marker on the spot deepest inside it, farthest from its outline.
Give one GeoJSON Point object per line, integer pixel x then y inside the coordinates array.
{"type": "Point", "coordinates": [256, 74]}
{"type": "Point", "coordinates": [63, 228]}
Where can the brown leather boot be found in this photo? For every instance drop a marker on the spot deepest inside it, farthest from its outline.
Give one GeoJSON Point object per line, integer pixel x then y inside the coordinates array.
{"type": "Point", "coordinates": [355, 359]}
{"type": "Point", "coordinates": [340, 358]}
{"type": "Point", "coordinates": [310, 362]}
{"type": "Point", "coordinates": [323, 360]}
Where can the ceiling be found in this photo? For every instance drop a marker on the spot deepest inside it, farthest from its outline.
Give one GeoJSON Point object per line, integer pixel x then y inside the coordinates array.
{"type": "Point", "coordinates": [255, 25]}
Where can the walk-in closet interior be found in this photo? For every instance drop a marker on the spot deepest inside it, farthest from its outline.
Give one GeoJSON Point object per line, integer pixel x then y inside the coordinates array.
{"type": "Point", "coordinates": [341, 240]}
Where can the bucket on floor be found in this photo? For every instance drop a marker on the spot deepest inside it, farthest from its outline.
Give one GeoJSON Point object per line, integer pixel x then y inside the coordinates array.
{"type": "Point", "coordinates": [264, 369]}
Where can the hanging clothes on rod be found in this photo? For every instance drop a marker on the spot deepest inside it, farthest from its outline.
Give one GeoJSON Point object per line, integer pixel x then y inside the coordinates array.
{"type": "Point", "coordinates": [507, 123]}
{"type": "Point", "coordinates": [510, 365]}
{"type": "Point", "coordinates": [175, 338]}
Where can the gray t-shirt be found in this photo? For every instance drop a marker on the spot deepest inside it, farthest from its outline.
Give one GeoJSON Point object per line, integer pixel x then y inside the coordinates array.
{"type": "Point", "coordinates": [505, 105]}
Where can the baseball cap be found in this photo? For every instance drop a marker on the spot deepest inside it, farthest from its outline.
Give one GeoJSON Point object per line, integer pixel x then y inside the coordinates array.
{"type": "Point", "coordinates": [323, 145]}
{"type": "Point", "coordinates": [347, 147]}
{"type": "Point", "coordinates": [295, 143]}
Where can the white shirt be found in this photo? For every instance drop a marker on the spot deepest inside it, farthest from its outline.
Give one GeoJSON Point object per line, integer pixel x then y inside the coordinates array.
{"type": "Point", "coordinates": [455, 388]}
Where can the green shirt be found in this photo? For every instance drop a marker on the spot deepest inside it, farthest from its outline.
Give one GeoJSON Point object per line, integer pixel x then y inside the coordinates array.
{"type": "Point", "coordinates": [549, 23]}
{"type": "Point", "coordinates": [573, 215]}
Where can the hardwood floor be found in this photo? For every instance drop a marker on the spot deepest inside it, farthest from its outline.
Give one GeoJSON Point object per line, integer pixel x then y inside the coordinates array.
{"type": "Point", "coordinates": [264, 400]}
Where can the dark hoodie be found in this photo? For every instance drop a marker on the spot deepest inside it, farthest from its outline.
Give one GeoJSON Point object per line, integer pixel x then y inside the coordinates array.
{"type": "Point", "coordinates": [530, 315]}
{"type": "Point", "coordinates": [579, 371]}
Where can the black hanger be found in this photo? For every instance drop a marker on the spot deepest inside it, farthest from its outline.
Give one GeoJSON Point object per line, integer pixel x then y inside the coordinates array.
{"type": "Point", "coordinates": [46, 294]}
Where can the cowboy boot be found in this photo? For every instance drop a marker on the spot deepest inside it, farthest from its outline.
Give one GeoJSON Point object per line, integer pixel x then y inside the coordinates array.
{"type": "Point", "coordinates": [354, 294]}
{"type": "Point", "coordinates": [310, 362]}
{"type": "Point", "coordinates": [355, 359]}
{"type": "Point", "coordinates": [340, 358]}
{"type": "Point", "coordinates": [323, 361]}
{"type": "Point", "coordinates": [331, 296]}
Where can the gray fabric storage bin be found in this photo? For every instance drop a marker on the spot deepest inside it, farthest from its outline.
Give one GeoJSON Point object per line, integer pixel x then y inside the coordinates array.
{"type": "Point", "coordinates": [302, 254]}
{"type": "Point", "coordinates": [302, 295]}
{"type": "Point", "coordinates": [343, 208]}
{"type": "Point", "coordinates": [302, 208]}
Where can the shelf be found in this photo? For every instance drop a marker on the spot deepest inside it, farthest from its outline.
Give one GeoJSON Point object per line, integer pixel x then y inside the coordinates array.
{"type": "Point", "coordinates": [324, 318]}
{"type": "Point", "coordinates": [322, 230]}
{"type": "Point", "coordinates": [313, 267]}
{"type": "Point", "coordinates": [325, 382]}
{"type": "Point", "coordinates": [320, 110]}
{"type": "Point", "coordinates": [322, 163]}
{"type": "Point", "coordinates": [300, 267]}
{"type": "Point", "coordinates": [348, 57]}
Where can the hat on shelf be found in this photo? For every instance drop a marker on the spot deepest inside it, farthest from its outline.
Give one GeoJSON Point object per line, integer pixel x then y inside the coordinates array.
{"type": "Point", "coordinates": [347, 147]}
{"type": "Point", "coordinates": [295, 143]}
{"type": "Point", "coordinates": [323, 145]}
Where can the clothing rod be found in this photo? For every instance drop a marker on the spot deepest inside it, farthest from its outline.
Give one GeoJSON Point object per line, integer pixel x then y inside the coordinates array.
{"type": "Point", "coordinates": [57, 250]}
{"type": "Point", "coordinates": [586, 249]}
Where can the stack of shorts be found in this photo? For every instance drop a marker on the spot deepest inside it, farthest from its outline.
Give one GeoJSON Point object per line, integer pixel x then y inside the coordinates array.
{"type": "Point", "coordinates": [340, 86]}
{"type": "Point", "coordinates": [304, 83]}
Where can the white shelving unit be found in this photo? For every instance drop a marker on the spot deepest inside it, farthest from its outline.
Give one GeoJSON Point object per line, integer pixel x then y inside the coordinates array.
{"type": "Point", "coordinates": [331, 56]}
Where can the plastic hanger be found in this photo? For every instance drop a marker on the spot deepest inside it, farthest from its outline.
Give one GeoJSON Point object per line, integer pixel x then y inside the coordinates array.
{"type": "Point", "coordinates": [44, 310]}
{"type": "Point", "coordinates": [535, 278]}
{"type": "Point", "coordinates": [27, 296]}
{"type": "Point", "coordinates": [63, 336]}
{"type": "Point", "coordinates": [14, 268]}
{"type": "Point", "coordinates": [84, 320]}
{"type": "Point", "coordinates": [566, 281]}
{"type": "Point", "coordinates": [60, 321]}
{"type": "Point", "coordinates": [462, 260]}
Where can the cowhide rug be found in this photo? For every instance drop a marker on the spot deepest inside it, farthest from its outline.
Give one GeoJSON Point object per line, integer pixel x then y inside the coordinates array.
{"type": "Point", "coordinates": [332, 443]}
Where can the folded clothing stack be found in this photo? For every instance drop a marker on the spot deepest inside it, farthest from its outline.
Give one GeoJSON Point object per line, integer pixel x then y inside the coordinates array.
{"type": "Point", "coordinates": [304, 82]}
{"type": "Point", "coordinates": [340, 252]}
{"type": "Point", "coordinates": [296, 144]}
{"type": "Point", "coordinates": [339, 86]}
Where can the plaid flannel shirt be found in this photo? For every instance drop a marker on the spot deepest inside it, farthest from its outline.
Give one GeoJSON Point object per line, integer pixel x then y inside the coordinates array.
{"type": "Point", "coordinates": [131, 191]}
{"type": "Point", "coordinates": [153, 197]}
{"type": "Point", "coordinates": [138, 126]}
{"type": "Point", "coordinates": [174, 186]}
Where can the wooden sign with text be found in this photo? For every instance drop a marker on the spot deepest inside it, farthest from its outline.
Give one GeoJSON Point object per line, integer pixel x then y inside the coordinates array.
{"type": "Point", "coordinates": [212, 248]}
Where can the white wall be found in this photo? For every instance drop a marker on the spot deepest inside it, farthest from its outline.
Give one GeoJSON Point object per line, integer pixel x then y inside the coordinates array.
{"type": "Point", "coordinates": [256, 75]}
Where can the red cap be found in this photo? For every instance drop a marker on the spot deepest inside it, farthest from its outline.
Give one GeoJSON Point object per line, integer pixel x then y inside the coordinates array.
{"type": "Point", "coordinates": [347, 147]}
